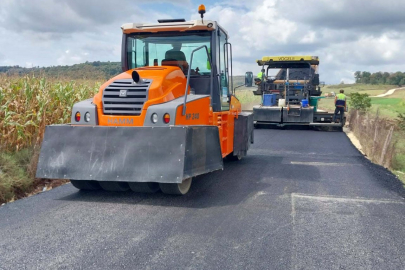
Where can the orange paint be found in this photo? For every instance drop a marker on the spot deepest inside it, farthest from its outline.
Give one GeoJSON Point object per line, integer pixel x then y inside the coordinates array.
{"type": "Point", "coordinates": [168, 83]}
{"type": "Point", "coordinates": [197, 113]}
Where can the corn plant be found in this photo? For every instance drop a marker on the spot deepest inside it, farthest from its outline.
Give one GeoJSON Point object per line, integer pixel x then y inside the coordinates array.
{"type": "Point", "coordinates": [28, 104]}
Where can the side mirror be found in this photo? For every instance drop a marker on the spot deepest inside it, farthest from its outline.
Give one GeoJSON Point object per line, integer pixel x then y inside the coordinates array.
{"type": "Point", "coordinates": [249, 79]}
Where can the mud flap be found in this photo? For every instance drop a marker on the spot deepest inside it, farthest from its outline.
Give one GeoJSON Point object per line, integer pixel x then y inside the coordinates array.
{"type": "Point", "coordinates": [243, 133]}
{"type": "Point", "coordinates": [129, 154]}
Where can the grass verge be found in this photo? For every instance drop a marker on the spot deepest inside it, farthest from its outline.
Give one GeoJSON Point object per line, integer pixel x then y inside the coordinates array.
{"type": "Point", "coordinates": [14, 178]}
{"type": "Point", "coordinates": [27, 105]}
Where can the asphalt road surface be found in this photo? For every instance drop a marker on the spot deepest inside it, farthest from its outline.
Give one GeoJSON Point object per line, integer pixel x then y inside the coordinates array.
{"type": "Point", "coordinates": [301, 199]}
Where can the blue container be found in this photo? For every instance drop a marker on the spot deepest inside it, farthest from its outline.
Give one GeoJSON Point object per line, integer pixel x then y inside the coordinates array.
{"type": "Point", "coordinates": [269, 99]}
{"type": "Point", "coordinates": [304, 103]}
{"type": "Point", "coordinates": [298, 86]}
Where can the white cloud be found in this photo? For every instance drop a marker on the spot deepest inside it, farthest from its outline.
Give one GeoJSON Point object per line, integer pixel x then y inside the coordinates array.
{"type": "Point", "coordinates": [70, 58]}
{"type": "Point", "coordinates": [346, 35]}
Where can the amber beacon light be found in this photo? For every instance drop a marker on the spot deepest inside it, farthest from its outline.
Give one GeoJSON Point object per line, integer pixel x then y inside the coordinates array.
{"type": "Point", "coordinates": [201, 10]}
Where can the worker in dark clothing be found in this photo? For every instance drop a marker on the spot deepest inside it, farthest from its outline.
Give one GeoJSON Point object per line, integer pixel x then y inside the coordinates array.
{"type": "Point", "coordinates": [341, 106]}
{"type": "Point", "coordinates": [175, 57]}
{"type": "Point", "coordinates": [176, 53]}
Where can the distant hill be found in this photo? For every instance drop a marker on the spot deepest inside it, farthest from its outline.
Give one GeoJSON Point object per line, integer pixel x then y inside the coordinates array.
{"type": "Point", "coordinates": [88, 70]}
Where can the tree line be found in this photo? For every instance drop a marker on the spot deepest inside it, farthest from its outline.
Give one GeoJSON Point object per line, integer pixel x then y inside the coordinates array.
{"type": "Point", "coordinates": [397, 78]}
{"type": "Point", "coordinates": [88, 70]}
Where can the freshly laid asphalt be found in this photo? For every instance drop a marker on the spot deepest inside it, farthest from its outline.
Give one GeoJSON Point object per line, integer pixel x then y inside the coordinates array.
{"type": "Point", "coordinates": [301, 199]}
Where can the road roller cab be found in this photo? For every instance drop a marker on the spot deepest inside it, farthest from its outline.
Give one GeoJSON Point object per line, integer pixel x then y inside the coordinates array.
{"type": "Point", "coordinates": [171, 115]}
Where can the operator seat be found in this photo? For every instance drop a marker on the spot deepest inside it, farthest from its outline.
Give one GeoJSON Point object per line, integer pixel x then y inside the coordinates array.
{"type": "Point", "coordinates": [174, 54]}
{"type": "Point", "coordinates": [177, 59]}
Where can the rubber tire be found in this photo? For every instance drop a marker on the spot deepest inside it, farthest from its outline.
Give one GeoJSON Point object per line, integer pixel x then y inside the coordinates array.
{"type": "Point", "coordinates": [231, 157]}
{"type": "Point", "coordinates": [114, 186]}
{"type": "Point", "coordinates": [176, 189]}
{"type": "Point", "coordinates": [148, 187]}
{"type": "Point", "coordinates": [85, 184]}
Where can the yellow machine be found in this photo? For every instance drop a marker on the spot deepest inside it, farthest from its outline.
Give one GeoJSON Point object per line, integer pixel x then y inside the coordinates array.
{"type": "Point", "coordinates": [291, 97]}
{"type": "Point", "coordinates": [171, 115]}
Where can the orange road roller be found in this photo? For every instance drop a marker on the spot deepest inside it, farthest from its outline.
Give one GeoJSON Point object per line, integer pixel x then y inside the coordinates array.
{"type": "Point", "coordinates": [170, 116]}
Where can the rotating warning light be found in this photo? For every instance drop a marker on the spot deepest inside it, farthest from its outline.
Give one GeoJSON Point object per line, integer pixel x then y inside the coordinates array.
{"type": "Point", "coordinates": [201, 10]}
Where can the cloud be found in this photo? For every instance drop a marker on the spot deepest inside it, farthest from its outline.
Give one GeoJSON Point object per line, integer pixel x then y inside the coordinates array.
{"type": "Point", "coordinates": [372, 16]}
{"type": "Point", "coordinates": [347, 35]}
{"type": "Point", "coordinates": [69, 16]}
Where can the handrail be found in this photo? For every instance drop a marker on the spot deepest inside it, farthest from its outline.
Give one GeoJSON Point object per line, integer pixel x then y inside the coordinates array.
{"type": "Point", "coordinates": [227, 58]}
{"type": "Point", "coordinates": [188, 76]}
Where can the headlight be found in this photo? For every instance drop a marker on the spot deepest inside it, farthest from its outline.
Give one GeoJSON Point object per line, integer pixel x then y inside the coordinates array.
{"type": "Point", "coordinates": [87, 117]}
{"type": "Point", "coordinates": [154, 118]}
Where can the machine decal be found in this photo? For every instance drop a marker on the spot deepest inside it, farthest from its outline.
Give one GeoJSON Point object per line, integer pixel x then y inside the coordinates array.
{"type": "Point", "coordinates": [120, 121]}
{"type": "Point", "coordinates": [192, 116]}
{"type": "Point", "coordinates": [123, 93]}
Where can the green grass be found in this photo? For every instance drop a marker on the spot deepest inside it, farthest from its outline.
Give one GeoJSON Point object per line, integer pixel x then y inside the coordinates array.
{"type": "Point", "coordinates": [372, 90]}
{"type": "Point", "coordinates": [14, 176]}
{"type": "Point", "coordinates": [386, 101]}
{"type": "Point", "coordinates": [398, 94]}
{"type": "Point", "coordinates": [388, 107]}
{"type": "Point", "coordinates": [247, 98]}
{"type": "Point", "coordinates": [327, 104]}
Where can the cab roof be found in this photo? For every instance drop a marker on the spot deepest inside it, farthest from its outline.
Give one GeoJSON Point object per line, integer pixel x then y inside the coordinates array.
{"type": "Point", "coordinates": [170, 25]}
{"type": "Point", "coordinates": [288, 61]}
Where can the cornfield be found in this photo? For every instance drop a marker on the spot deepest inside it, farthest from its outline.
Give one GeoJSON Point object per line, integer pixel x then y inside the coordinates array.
{"type": "Point", "coordinates": [28, 104]}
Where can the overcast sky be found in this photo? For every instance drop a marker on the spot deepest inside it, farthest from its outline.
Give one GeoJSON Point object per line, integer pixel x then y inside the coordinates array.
{"type": "Point", "coordinates": [347, 35]}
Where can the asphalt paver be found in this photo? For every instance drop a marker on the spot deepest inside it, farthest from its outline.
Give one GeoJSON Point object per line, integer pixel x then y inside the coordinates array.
{"type": "Point", "coordinates": [301, 199]}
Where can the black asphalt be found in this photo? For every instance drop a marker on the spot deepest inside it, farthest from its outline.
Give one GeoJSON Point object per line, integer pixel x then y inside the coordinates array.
{"type": "Point", "coordinates": [301, 199]}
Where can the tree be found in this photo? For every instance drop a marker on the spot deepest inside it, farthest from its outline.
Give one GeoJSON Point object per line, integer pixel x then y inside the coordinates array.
{"type": "Point", "coordinates": [365, 77]}
{"type": "Point", "coordinates": [357, 76]}
{"type": "Point", "coordinates": [361, 102]}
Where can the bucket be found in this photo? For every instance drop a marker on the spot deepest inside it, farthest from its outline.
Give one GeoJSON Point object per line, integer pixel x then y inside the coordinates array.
{"type": "Point", "coordinates": [313, 101]}
{"type": "Point", "coordinates": [269, 99]}
{"type": "Point", "coordinates": [304, 103]}
{"type": "Point", "coordinates": [281, 102]}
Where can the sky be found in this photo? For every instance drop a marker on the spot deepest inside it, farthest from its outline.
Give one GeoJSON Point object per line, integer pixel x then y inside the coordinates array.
{"type": "Point", "coordinates": [347, 35]}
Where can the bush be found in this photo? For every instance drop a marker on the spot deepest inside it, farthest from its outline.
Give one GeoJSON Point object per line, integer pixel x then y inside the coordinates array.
{"type": "Point", "coordinates": [361, 102]}
{"type": "Point", "coordinates": [14, 179]}
{"type": "Point", "coordinates": [401, 121]}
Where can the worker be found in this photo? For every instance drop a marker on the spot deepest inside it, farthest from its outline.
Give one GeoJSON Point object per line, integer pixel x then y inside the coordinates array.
{"type": "Point", "coordinates": [176, 53]}
{"type": "Point", "coordinates": [340, 105]}
{"type": "Point", "coordinates": [261, 75]}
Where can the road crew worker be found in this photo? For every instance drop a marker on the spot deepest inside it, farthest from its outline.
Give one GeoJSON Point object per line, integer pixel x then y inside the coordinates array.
{"type": "Point", "coordinates": [340, 104]}
{"type": "Point", "coordinates": [260, 77]}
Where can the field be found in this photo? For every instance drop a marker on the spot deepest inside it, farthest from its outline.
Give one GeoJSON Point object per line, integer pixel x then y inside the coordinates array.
{"type": "Point", "coordinates": [27, 105]}
{"type": "Point", "coordinates": [388, 106]}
